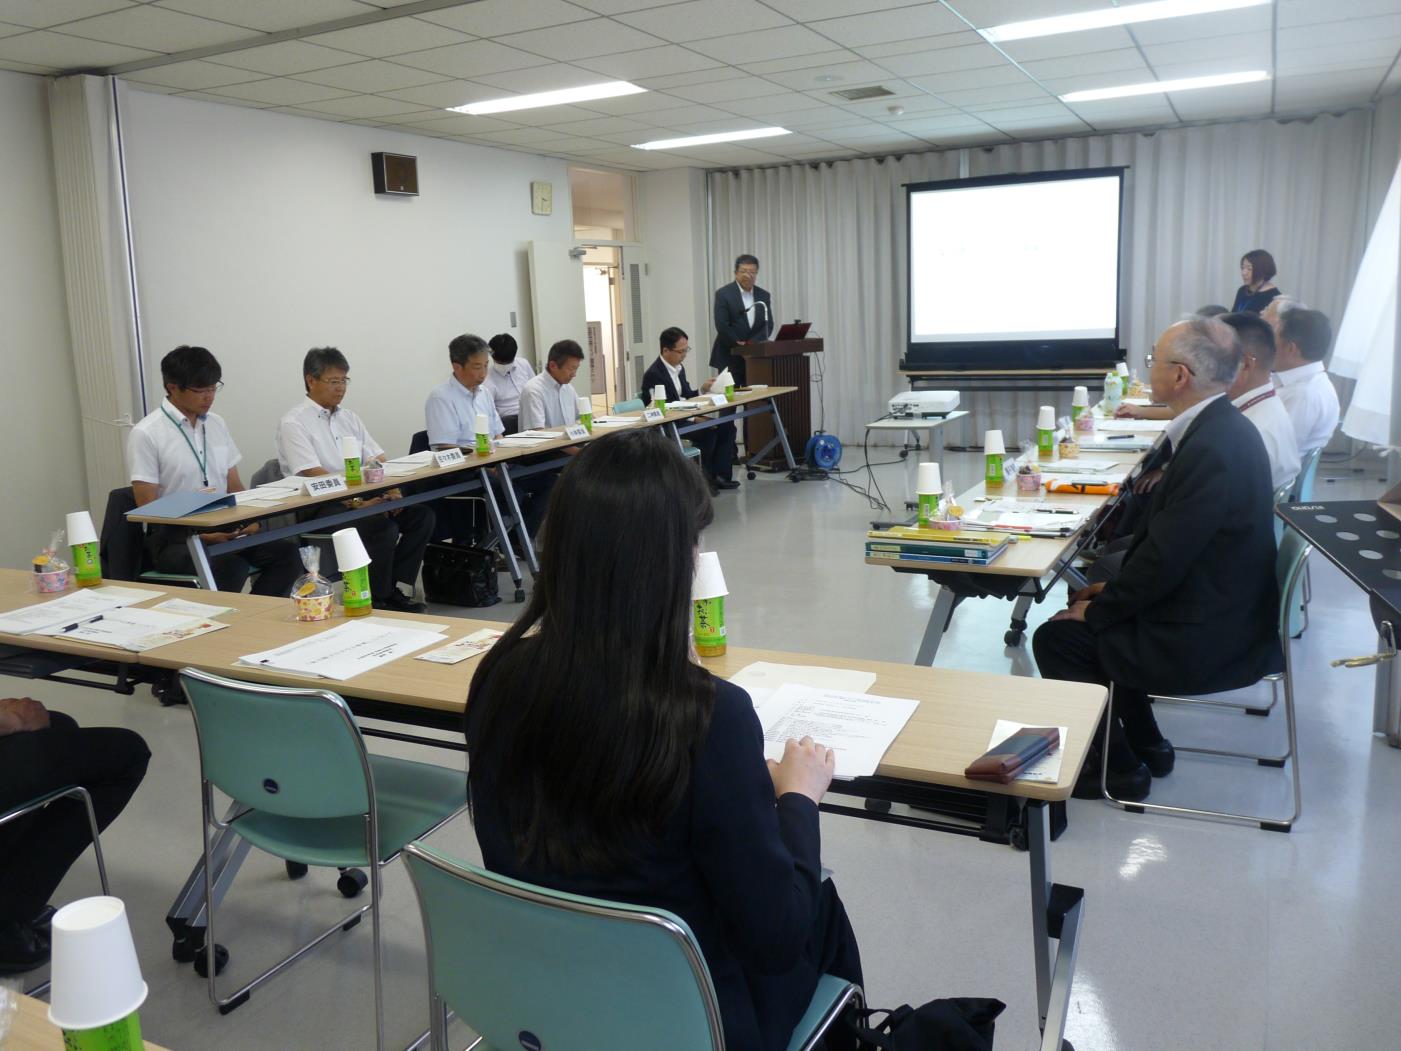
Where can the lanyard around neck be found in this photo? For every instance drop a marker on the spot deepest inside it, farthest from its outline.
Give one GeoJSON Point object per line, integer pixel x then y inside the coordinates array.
{"type": "Point", "coordinates": [202, 462]}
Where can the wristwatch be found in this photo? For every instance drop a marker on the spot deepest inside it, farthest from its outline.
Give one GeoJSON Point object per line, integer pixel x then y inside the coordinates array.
{"type": "Point", "coordinates": [356, 501]}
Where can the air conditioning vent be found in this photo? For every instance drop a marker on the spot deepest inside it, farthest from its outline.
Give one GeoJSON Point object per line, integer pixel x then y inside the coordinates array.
{"type": "Point", "coordinates": [862, 94]}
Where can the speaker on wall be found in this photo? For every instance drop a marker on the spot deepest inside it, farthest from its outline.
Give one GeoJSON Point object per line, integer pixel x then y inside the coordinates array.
{"type": "Point", "coordinates": [396, 174]}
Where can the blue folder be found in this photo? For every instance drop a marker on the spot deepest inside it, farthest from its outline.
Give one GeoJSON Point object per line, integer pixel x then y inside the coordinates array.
{"type": "Point", "coordinates": [181, 505]}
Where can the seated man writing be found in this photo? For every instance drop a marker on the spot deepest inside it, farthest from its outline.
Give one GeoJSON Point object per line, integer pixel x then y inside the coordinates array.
{"type": "Point", "coordinates": [1193, 609]}
{"type": "Point", "coordinates": [309, 441]}
{"type": "Point", "coordinates": [717, 444]}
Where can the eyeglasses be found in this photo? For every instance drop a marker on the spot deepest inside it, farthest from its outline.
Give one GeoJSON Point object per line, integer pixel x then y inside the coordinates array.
{"type": "Point", "coordinates": [335, 384]}
{"type": "Point", "coordinates": [205, 390]}
{"type": "Point", "coordinates": [748, 271]}
{"type": "Point", "coordinates": [1174, 361]}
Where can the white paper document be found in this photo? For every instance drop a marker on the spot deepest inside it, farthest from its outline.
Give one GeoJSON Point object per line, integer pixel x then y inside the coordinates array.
{"type": "Point", "coordinates": [402, 470]}
{"type": "Point", "coordinates": [262, 497]}
{"type": "Point", "coordinates": [186, 608]}
{"type": "Point", "coordinates": [859, 727]}
{"type": "Point", "coordinates": [461, 649]}
{"type": "Point", "coordinates": [125, 596]}
{"type": "Point", "coordinates": [422, 459]}
{"type": "Point", "coordinates": [136, 630]}
{"type": "Point", "coordinates": [520, 441]}
{"type": "Point", "coordinates": [543, 435]}
{"type": "Point", "coordinates": [1131, 426]}
{"type": "Point", "coordinates": [398, 622]}
{"type": "Point", "coordinates": [765, 676]}
{"type": "Point", "coordinates": [1046, 770]}
{"type": "Point", "coordinates": [343, 652]}
{"type": "Point", "coordinates": [1118, 443]}
{"type": "Point", "coordinates": [1070, 474]}
{"type": "Point", "coordinates": [1065, 466]}
{"type": "Point", "coordinates": [72, 608]}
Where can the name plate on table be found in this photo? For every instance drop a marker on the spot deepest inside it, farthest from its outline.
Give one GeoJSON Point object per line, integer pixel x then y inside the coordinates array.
{"type": "Point", "coordinates": [653, 415]}
{"type": "Point", "coordinates": [719, 400]}
{"type": "Point", "coordinates": [576, 431]}
{"type": "Point", "coordinates": [326, 483]}
{"type": "Point", "coordinates": [447, 457]}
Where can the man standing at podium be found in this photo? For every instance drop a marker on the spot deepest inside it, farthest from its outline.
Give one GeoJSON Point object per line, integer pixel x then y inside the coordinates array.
{"type": "Point", "coordinates": [743, 314]}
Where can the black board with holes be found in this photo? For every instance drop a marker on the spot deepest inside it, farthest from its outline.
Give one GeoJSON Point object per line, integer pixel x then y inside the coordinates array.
{"type": "Point", "coordinates": [1357, 536]}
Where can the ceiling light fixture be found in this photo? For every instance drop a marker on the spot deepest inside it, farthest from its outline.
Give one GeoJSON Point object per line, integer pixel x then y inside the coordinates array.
{"type": "Point", "coordinates": [611, 89]}
{"type": "Point", "coordinates": [1111, 16]}
{"type": "Point", "coordinates": [1155, 87]}
{"type": "Point", "coordinates": [708, 140]}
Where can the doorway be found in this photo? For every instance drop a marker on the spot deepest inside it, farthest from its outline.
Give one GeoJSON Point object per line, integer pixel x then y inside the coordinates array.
{"type": "Point", "coordinates": [603, 312]}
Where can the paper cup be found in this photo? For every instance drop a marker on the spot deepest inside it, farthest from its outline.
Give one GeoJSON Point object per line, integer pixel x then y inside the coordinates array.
{"type": "Point", "coordinates": [659, 394]}
{"type": "Point", "coordinates": [80, 529]}
{"type": "Point", "coordinates": [350, 447]}
{"type": "Point", "coordinates": [350, 550]}
{"type": "Point", "coordinates": [585, 406]}
{"type": "Point", "coordinates": [1046, 418]}
{"type": "Point", "coordinates": [709, 581]}
{"type": "Point", "coordinates": [927, 481]}
{"type": "Point", "coordinates": [482, 424]}
{"type": "Point", "coordinates": [96, 978]}
{"type": "Point", "coordinates": [993, 444]}
{"type": "Point", "coordinates": [1081, 397]}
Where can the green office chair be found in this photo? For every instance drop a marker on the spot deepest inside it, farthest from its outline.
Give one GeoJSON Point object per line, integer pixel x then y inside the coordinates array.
{"type": "Point", "coordinates": [1289, 570]}
{"type": "Point", "coordinates": [310, 794]}
{"type": "Point", "coordinates": [1303, 494]}
{"type": "Point", "coordinates": [525, 966]}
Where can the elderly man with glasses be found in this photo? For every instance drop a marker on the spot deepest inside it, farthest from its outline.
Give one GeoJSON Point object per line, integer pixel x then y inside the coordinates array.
{"type": "Point", "coordinates": [1194, 606]}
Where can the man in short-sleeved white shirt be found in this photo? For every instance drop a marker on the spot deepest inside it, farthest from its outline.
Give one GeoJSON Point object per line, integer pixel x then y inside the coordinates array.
{"type": "Point", "coordinates": [1254, 395]}
{"type": "Point", "coordinates": [309, 440]}
{"type": "Point", "coordinates": [453, 406]}
{"type": "Point", "coordinates": [183, 447]}
{"type": "Point", "coordinates": [506, 378]}
{"type": "Point", "coordinates": [1302, 339]}
{"type": "Point", "coordinates": [549, 400]}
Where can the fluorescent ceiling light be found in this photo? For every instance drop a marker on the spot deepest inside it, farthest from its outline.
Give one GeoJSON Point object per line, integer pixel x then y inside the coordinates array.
{"type": "Point", "coordinates": [1111, 16]}
{"type": "Point", "coordinates": [563, 97]}
{"type": "Point", "coordinates": [1155, 87]}
{"type": "Point", "coordinates": [707, 140]}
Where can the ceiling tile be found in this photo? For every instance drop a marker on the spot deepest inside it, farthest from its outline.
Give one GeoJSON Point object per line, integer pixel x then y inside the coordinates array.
{"type": "Point", "coordinates": [881, 27]}
{"type": "Point", "coordinates": [489, 18]}
{"type": "Point", "coordinates": [270, 16]}
{"type": "Point", "coordinates": [701, 19]}
{"type": "Point", "coordinates": [648, 62]}
{"type": "Point", "coordinates": [1358, 55]}
{"type": "Point", "coordinates": [11, 30]}
{"type": "Point", "coordinates": [1141, 109]}
{"type": "Point", "coordinates": [472, 59]}
{"type": "Point", "coordinates": [40, 14]}
{"type": "Point", "coordinates": [1242, 101]}
{"type": "Point", "coordinates": [945, 60]}
{"type": "Point", "coordinates": [290, 56]}
{"type": "Point", "coordinates": [374, 75]}
{"type": "Point", "coordinates": [224, 100]}
{"type": "Point", "coordinates": [984, 13]}
{"type": "Point", "coordinates": [386, 39]}
{"type": "Point", "coordinates": [540, 78]}
{"type": "Point", "coordinates": [937, 126]}
{"type": "Point", "coordinates": [613, 7]}
{"type": "Point", "coordinates": [831, 77]}
{"type": "Point", "coordinates": [782, 102]}
{"type": "Point", "coordinates": [668, 81]}
{"type": "Point", "coordinates": [444, 94]}
{"type": "Point", "coordinates": [1309, 12]}
{"type": "Point", "coordinates": [279, 91]}
{"type": "Point", "coordinates": [1115, 38]}
{"type": "Point", "coordinates": [539, 118]}
{"type": "Point", "coordinates": [737, 87]}
{"type": "Point", "coordinates": [598, 126]}
{"type": "Point", "coordinates": [762, 44]}
{"type": "Point", "coordinates": [527, 137]}
{"type": "Point", "coordinates": [917, 45]}
{"type": "Point", "coordinates": [461, 124]}
{"type": "Point", "coordinates": [629, 105]}
{"type": "Point", "coordinates": [25, 67]}
{"type": "Point", "coordinates": [156, 29]}
{"type": "Point", "coordinates": [191, 76]}
{"type": "Point", "coordinates": [969, 79]}
{"type": "Point", "coordinates": [58, 51]}
{"type": "Point", "coordinates": [913, 102]}
{"type": "Point", "coordinates": [1240, 52]}
{"type": "Point", "coordinates": [1301, 38]}
{"type": "Point", "coordinates": [1203, 27]}
{"type": "Point", "coordinates": [681, 115]}
{"type": "Point", "coordinates": [1122, 61]}
{"type": "Point", "coordinates": [995, 97]}
{"type": "Point", "coordinates": [598, 36]}
{"type": "Point", "coordinates": [812, 10]}
{"type": "Point", "coordinates": [366, 106]}
{"type": "Point", "coordinates": [792, 62]}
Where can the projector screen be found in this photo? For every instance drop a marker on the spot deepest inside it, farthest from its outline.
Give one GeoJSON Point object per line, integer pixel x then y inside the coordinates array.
{"type": "Point", "coordinates": [1018, 269]}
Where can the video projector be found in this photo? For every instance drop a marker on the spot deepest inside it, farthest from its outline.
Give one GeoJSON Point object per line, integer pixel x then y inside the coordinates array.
{"type": "Point", "coordinates": [923, 404]}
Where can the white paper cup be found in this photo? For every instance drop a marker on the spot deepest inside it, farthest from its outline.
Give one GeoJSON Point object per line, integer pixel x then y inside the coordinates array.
{"type": "Point", "coordinates": [585, 406]}
{"type": "Point", "coordinates": [709, 581]}
{"type": "Point", "coordinates": [350, 550]}
{"type": "Point", "coordinates": [482, 424]}
{"type": "Point", "coordinates": [659, 394]}
{"type": "Point", "coordinates": [350, 447]}
{"type": "Point", "coordinates": [927, 481]}
{"type": "Point", "coordinates": [993, 445]}
{"type": "Point", "coordinates": [80, 529]}
{"type": "Point", "coordinates": [1081, 397]}
{"type": "Point", "coordinates": [1122, 368]}
{"type": "Point", "coordinates": [96, 977]}
{"type": "Point", "coordinates": [1046, 418]}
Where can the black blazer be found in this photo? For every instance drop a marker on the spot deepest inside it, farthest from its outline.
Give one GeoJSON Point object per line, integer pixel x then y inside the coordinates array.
{"type": "Point", "coordinates": [732, 323]}
{"type": "Point", "coordinates": [1196, 607]}
{"type": "Point", "coordinates": [742, 871]}
{"type": "Point", "coordinates": [658, 376]}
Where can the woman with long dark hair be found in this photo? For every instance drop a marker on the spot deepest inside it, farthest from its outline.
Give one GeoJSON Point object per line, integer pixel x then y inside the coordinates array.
{"type": "Point", "coordinates": [1257, 274]}
{"type": "Point", "coordinates": [605, 761]}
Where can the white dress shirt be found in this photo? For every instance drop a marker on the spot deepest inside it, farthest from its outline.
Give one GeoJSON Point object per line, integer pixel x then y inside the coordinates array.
{"type": "Point", "coordinates": [166, 451]}
{"type": "Point", "coordinates": [747, 298]}
{"type": "Point", "coordinates": [547, 403]}
{"type": "Point", "coordinates": [1263, 408]}
{"type": "Point", "coordinates": [309, 436]}
{"type": "Point", "coordinates": [1312, 404]}
{"type": "Point", "coordinates": [506, 383]}
{"type": "Point", "coordinates": [452, 412]}
{"type": "Point", "coordinates": [675, 373]}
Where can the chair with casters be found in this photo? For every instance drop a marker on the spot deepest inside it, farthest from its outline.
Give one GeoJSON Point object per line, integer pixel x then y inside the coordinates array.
{"type": "Point", "coordinates": [309, 794]}
{"type": "Point", "coordinates": [39, 803]}
{"type": "Point", "coordinates": [519, 962]}
{"type": "Point", "coordinates": [1289, 569]}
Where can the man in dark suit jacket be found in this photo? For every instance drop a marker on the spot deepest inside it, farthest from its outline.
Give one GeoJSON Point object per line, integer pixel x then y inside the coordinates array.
{"type": "Point", "coordinates": [717, 444]}
{"type": "Point", "coordinates": [1195, 607]}
{"type": "Point", "coordinates": [743, 314]}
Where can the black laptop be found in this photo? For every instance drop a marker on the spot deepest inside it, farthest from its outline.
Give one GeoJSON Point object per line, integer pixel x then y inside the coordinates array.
{"type": "Point", "coordinates": [794, 330]}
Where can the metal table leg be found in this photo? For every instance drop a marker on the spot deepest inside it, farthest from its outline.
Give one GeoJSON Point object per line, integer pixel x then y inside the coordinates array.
{"type": "Point", "coordinates": [1056, 913]}
{"type": "Point", "coordinates": [939, 618]}
{"type": "Point", "coordinates": [203, 573]}
{"type": "Point", "coordinates": [782, 434]}
{"type": "Point", "coordinates": [526, 544]}
{"type": "Point", "coordinates": [494, 509]}
{"type": "Point", "coordinates": [1386, 704]}
{"type": "Point", "coordinates": [228, 851]}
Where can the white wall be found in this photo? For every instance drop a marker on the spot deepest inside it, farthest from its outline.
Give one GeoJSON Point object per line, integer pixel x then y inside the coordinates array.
{"type": "Point", "coordinates": [44, 472]}
{"type": "Point", "coordinates": [259, 235]}
{"type": "Point", "coordinates": [672, 205]}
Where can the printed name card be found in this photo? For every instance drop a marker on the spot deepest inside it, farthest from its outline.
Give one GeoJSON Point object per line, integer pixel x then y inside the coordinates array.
{"type": "Point", "coordinates": [326, 483]}
{"type": "Point", "coordinates": [719, 400]}
{"type": "Point", "coordinates": [576, 431]}
{"type": "Point", "coordinates": [653, 415]}
{"type": "Point", "coordinates": [447, 457]}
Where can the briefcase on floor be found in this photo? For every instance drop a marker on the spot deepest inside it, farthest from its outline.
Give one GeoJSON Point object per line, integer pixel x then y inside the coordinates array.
{"type": "Point", "coordinates": [458, 575]}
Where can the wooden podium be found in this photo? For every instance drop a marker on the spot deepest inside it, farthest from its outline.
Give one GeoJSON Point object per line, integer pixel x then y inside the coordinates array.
{"type": "Point", "coordinates": [781, 363]}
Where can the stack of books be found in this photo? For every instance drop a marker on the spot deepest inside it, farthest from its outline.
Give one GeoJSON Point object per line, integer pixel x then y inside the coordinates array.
{"type": "Point", "coordinates": [913, 544]}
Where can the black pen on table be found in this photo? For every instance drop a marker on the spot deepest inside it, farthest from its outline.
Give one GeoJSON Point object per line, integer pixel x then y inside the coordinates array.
{"type": "Point", "coordinates": [81, 623]}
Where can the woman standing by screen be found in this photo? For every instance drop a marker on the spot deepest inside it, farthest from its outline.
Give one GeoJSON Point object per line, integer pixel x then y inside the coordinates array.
{"type": "Point", "coordinates": [1257, 270]}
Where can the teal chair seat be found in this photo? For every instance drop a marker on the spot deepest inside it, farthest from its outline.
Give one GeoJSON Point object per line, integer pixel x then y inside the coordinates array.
{"type": "Point", "coordinates": [631, 405]}
{"type": "Point", "coordinates": [410, 797]}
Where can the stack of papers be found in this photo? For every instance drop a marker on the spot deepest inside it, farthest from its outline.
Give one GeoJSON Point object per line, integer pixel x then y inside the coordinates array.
{"type": "Point", "coordinates": [859, 727]}
{"type": "Point", "coordinates": [1016, 516]}
{"type": "Point", "coordinates": [269, 495]}
{"type": "Point", "coordinates": [345, 651]}
{"type": "Point", "coordinates": [1130, 426]}
{"type": "Point", "coordinates": [536, 433]}
{"type": "Point", "coordinates": [417, 460]}
{"type": "Point", "coordinates": [72, 609]}
{"type": "Point", "coordinates": [520, 441]}
{"type": "Point", "coordinates": [460, 650]}
{"type": "Point", "coordinates": [136, 630]}
{"type": "Point", "coordinates": [1046, 770]}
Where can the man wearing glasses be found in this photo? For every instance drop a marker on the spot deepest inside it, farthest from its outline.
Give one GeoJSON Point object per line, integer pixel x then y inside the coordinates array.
{"type": "Point", "coordinates": [182, 447]}
{"type": "Point", "coordinates": [716, 444]}
{"type": "Point", "coordinates": [309, 443]}
{"type": "Point", "coordinates": [743, 314]}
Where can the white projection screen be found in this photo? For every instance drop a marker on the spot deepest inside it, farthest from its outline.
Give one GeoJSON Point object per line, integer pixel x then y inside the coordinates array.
{"type": "Point", "coordinates": [1015, 270]}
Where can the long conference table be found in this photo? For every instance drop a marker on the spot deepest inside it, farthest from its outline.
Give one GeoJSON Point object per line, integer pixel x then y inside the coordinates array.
{"type": "Point", "coordinates": [951, 726]}
{"type": "Point", "coordinates": [434, 482]}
